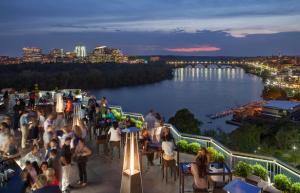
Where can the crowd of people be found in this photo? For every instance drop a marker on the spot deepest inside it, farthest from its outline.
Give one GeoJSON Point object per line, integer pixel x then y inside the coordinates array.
{"type": "Point", "coordinates": [48, 145]}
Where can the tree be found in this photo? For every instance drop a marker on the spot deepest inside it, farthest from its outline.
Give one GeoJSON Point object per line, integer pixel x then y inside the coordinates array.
{"type": "Point", "coordinates": [274, 93]}
{"type": "Point", "coordinates": [287, 136]}
{"type": "Point", "coordinates": [246, 138]}
{"type": "Point", "coordinates": [185, 121]}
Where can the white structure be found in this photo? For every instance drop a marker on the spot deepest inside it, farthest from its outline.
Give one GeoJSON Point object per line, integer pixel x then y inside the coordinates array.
{"type": "Point", "coordinates": [80, 51]}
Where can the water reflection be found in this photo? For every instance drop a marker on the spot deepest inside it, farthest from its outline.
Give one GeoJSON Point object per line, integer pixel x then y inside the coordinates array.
{"type": "Point", "coordinates": [202, 90]}
{"type": "Point", "coordinates": [208, 73]}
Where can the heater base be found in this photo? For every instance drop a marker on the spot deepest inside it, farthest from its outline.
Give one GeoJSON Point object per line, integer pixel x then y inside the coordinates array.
{"type": "Point", "coordinates": [131, 183]}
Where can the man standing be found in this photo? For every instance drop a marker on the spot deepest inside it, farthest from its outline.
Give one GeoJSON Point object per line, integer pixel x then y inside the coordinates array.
{"type": "Point", "coordinates": [66, 156]}
{"type": "Point", "coordinates": [24, 123]}
{"type": "Point", "coordinates": [150, 121]}
{"type": "Point", "coordinates": [18, 109]}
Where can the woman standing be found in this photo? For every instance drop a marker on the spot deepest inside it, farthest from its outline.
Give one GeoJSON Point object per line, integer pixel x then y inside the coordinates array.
{"type": "Point", "coordinates": [82, 152]}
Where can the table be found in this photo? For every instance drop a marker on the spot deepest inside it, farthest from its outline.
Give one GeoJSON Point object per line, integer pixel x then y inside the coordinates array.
{"type": "Point", "coordinates": [218, 170]}
{"type": "Point", "coordinates": [185, 170]}
{"type": "Point", "coordinates": [157, 147]}
{"type": "Point", "coordinates": [241, 187]}
{"type": "Point", "coordinates": [15, 183]}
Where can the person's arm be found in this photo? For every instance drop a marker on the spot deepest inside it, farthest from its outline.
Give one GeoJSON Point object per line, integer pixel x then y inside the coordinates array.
{"type": "Point", "coordinates": [86, 151]}
{"type": "Point", "coordinates": [63, 160]}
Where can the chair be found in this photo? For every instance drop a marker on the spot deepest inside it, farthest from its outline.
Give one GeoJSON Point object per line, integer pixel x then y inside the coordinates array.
{"type": "Point", "coordinates": [101, 139]}
{"type": "Point", "coordinates": [116, 144]}
{"type": "Point", "coordinates": [198, 190]}
{"type": "Point", "coordinates": [169, 164]}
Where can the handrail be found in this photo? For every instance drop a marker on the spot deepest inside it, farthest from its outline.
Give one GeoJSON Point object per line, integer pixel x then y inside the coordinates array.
{"type": "Point", "coordinates": [273, 165]}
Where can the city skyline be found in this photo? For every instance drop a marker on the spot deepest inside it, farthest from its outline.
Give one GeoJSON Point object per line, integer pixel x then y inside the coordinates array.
{"type": "Point", "coordinates": [210, 28]}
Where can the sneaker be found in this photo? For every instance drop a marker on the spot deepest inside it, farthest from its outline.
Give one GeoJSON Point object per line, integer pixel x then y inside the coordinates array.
{"type": "Point", "coordinates": [84, 184]}
{"type": "Point", "coordinates": [79, 182]}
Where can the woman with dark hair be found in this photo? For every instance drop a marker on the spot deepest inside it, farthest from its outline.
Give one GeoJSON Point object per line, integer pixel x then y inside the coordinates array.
{"type": "Point", "coordinates": [44, 167]}
{"type": "Point", "coordinates": [167, 135]}
{"type": "Point", "coordinates": [114, 137]}
{"type": "Point", "coordinates": [146, 140]}
{"type": "Point", "coordinates": [81, 154]}
{"type": "Point", "coordinates": [198, 170]}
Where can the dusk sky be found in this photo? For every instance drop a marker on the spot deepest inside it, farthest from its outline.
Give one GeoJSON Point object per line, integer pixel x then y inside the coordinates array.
{"type": "Point", "coordinates": [145, 27]}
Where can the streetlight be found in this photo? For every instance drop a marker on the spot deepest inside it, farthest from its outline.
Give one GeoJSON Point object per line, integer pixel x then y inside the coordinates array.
{"type": "Point", "coordinates": [294, 149]}
{"type": "Point", "coordinates": [131, 173]}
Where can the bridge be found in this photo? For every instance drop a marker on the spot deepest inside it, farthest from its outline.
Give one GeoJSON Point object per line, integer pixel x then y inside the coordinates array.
{"type": "Point", "coordinates": [205, 63]}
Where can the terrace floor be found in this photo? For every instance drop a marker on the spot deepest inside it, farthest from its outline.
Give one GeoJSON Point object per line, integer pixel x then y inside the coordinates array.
{"type": "Point", "coordinates": [104, 176]}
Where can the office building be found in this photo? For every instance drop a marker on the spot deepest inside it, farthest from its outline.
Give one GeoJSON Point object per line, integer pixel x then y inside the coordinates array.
{"type": "Point", "coordinates": [80, 51]}
{"type": "Point", "coordinates": [32, 54]}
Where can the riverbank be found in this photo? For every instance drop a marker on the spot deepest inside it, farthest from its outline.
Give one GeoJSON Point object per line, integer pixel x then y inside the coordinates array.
{"type": "Point", "coordinates": [83, 76]}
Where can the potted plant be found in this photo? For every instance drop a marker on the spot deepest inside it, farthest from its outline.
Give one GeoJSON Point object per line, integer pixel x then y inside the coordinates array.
{"type": "Point", "coordinates": [260, 171]}
{"type": "Point", "coordinates": [242, 170]}
{"type": "Point", "coordinates": [182, 145]}
{"type": "Point", "coordinates": [282, 182]}
{"type": "Point", "coordinates": [296, 187]}
{"type": "Point", "coordinates": [194, 148]}
{"type": "Point", "coordinates": [211, 154]}
{"type": "Point", "coordinates": [215, 156]}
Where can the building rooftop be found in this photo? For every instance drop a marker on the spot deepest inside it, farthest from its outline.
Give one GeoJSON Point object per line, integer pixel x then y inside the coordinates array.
{"type": "Point", "coordinates": [281, 104]}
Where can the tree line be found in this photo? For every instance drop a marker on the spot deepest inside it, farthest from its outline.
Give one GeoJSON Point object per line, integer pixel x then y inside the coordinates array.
{"type": "Point", "coordinates": [83, 76]}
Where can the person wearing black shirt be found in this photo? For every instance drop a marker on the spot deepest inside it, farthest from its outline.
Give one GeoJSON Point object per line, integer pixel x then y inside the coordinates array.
{"type": "Point", "coordinates": [66, 157]}
{"type": "Point", "coordinates": [18, 110]}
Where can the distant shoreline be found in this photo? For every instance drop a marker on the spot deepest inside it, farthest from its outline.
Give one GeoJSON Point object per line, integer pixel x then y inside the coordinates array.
{"type": "Point", "coordinates": [82, 76]}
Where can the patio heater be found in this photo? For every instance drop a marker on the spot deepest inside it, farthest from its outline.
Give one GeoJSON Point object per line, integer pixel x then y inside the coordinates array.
{"type": "Point", "coordinates": [59, 103]}
{"type": "Point", "coordinates": [77, 109]}
{"type": "Point", "coordinates": [131, 173]}
{"type": "Point", "coordinates": [75, 121]}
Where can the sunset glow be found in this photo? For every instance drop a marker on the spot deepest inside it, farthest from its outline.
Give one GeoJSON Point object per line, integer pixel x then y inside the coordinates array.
{"type": "Point", "coordinates": [194, 49]}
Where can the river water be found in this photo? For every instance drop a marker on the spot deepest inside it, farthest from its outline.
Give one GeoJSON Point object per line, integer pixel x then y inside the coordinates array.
{"type": "Point", "coordinates": [202, 90]}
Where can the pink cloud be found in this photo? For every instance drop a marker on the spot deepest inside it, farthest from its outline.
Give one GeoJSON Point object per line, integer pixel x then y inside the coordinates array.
{"type": "Point", "coordinates": [204, 48]}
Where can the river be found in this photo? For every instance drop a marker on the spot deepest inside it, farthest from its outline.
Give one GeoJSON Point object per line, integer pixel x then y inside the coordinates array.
{"type": "Point", "coordinates": [202, 90]}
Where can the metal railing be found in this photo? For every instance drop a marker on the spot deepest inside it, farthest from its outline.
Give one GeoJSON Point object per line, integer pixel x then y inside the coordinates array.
{"type": "Point", "coordinates": [273, 165]}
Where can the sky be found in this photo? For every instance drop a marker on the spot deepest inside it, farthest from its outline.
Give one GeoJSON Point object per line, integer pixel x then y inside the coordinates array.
{"type": "Point", "coordinates": [153, 27]}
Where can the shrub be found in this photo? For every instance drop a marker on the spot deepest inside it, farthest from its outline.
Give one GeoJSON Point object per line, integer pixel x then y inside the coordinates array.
{"type": "Point", "coordinates": [212, 151]}
{"type": "Point", "coordinates": [215, 155]}
{"type": "Point", "coordinates": [182, 145]}
{"type": "Point", "coordinates": [219, 157]}
{"type": "Point", "coordinates": [193, 147]}
{"type": "Point", "coordinates": [242, 169]}
{"type": "Point", "coordinates": [117, 114]}
{"type": "Point", "coordinates": [296, 188]}
{"type": "Point", "coordinates": [282, 182]}
{"type": "Point", "coordinates": [77, 92]}
{"type": "Point", "coordinates": [260, 171]}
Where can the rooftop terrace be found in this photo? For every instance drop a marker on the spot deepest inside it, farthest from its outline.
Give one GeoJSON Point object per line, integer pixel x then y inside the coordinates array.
{"type": "Point", "coordinates": [104, 174]}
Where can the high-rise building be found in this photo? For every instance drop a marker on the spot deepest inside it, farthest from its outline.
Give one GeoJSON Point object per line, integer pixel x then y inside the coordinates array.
{"type": "Point", "coordinates": [80, 51]}
{"type": "Point", "coordinates": [32, 55]}
{"type": "Point", "coordinates": [56, 55]}
{"type": "Point", "coordinates": [57, 52]}
{"type": "Point", "coordinates": [101, 54]}
{"type": "Point", "coordinates": [117, 56]}
{"type": "Point", "coordinates": [70, 57]}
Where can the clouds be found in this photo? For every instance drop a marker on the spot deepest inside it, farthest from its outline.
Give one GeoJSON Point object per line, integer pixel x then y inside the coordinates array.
{"type": "Point", "coordinates": [202, 48]}
{"type": "Point", "coordinates": [165, 43]}
{"type": "Point", "coordinates": [152, 19]}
